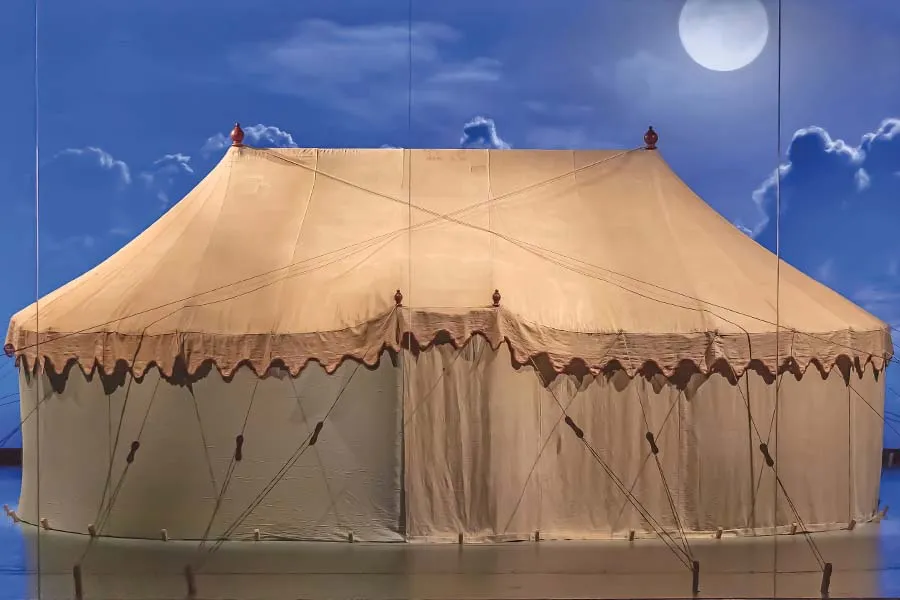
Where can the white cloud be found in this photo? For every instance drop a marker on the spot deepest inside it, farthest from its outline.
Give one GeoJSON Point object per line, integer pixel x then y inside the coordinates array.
{"type": "Point", "coordinates": [825, 271]}
{"type": "Point", "coordinates": [887, 131]}
{"type": "Point", "coordinates": [893, 268]}
{"type": "Point", "coordinates": [863, 180]}
{"type": "Point", "coordinates": [254, 135]}
{"type": "Point", "coordinates": [174, 163]}
{"type": "Point", "coordinates": [120, 232]}
{"type": "Point", "coordinates": [167, 167]}
{"type": "Point", "coordinates": [743, 229]}
{"type": "Point", "coordinates": [479, 70]}
{"type": "Point", "coordinates": [363, 70]}
{"type": "Point", "coordinates": [853, 156]}
{"type": "Point", "coordinates": [51, 243]}
{"type": "Point", "coordinates": [759, 199]}
{"type": "Point", "coordinates": [163, 173]}
{"type": "Point", "coordinates": [104, 159]}
{"type": "Point", "coordinates": [481, 132]}
{"type": "Point", "coordinates": [881, 301]}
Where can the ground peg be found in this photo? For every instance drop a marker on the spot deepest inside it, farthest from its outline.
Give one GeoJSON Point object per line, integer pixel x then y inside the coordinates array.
{"type": "Point", "coordinates": [191, 582]}
{"type": "Point", "coordinates": [695, 573]}
{"type": "Point", "coordinates": [79, 588]}
{"type": "Point", "coordinates": [826, 580]}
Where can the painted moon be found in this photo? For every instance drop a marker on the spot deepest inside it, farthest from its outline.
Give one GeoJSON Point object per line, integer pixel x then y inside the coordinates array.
{"type": "Point", "coordinates": [723, 35]}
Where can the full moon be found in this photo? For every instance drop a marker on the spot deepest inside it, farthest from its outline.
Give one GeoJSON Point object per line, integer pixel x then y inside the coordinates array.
{"type": "Point", "coordinates": [723, 35]}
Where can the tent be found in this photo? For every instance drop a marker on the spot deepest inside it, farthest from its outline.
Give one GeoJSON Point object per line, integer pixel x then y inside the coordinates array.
{"type": "Point", "coordinates": [446, 345]}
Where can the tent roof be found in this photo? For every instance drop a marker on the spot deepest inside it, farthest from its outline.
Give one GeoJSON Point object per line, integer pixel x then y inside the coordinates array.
{"type": "Point", "coordinates": [294, 255]}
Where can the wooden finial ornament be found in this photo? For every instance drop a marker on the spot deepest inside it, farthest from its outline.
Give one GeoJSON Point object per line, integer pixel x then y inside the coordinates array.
{"type": "Point", "coordinates": [496, 298]}
{"type": "Point", "coordinates": [650, 139]}
{"type": "Point", "coordinates": [9, 350]}
{"type": "Point", "coordinates": [398, 298]}
{"type": "Point", "coordinates": [237, 135]}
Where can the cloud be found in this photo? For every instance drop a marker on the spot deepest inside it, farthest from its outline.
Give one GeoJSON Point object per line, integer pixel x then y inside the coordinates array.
{"type": "Point", "coordinates": [816, 159]}
{"type": "Point", "coordinates": [120, 232]}
{"type": "Point", "coordinates": [268, 136]}
{"type": "Point", "coordinates": [103, 158]}
{"type": "Point", "coordinates": [162, 175]}
{"type": "Point", "coordinates": [863, 181]}
{"type": "Point", "coordinates": [364, 70]}
{"type": "Point", "coordinates": [880, 300]}
{"type": "Point", "coordinates": [839, 213]}
{"type": "Point", "coordinates": [825, 271]}
{"type": "Point", "coordinates": [481, 132]}
{"type": "Point", "coordinates": [174, 163]}
{"type": "Point", "coordinates": [76, 243]}
{"type": "Point", "coordinates": [761, 197]}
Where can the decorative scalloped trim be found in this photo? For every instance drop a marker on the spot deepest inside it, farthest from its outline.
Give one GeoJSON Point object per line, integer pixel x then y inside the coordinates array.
{"type": "Point", "coordinates": [193, 354]}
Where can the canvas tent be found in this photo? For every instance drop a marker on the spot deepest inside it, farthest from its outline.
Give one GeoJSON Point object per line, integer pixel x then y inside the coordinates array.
{"type": "Point", "coordinates": [442, 323]}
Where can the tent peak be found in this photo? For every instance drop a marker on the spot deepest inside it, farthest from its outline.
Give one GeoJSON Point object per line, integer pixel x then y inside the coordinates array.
{"type": "Point", "coordinates": [650, 138]}
{"type": "Point", "coordinates": [237, 135]}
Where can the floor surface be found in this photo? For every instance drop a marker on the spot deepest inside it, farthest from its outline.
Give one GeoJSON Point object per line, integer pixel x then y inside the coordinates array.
{"type": "Point", "coordinates": [866, 564]}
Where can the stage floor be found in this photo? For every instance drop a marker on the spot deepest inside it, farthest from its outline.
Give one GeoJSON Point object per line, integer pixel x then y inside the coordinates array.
{"type": "Point", "coordinates": [866, 564]}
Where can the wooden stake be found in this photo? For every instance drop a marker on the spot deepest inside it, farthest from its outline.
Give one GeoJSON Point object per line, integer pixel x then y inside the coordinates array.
{"type": "Point", "coordinates": [191, 582]}
{"type": "Point", "coordinates": [695, 577]}
{"type": "Point", "coordinates": [826, 580]}
{"type": "Point", "coordinates": [79, 587]}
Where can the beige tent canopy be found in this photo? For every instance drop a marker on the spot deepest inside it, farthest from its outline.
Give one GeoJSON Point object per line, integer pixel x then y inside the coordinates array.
{"type": "Point", "coordinates": [294, 255]}
{"type": "Point", "coordinates": [594, 263]}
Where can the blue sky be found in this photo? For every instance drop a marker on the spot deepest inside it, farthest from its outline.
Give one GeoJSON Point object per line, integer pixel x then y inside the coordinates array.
{"type": "Point", "coordinates": [135, 98]}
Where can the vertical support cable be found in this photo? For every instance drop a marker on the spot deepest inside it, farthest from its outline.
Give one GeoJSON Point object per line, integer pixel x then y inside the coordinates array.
{"type": "Point", "coordinates": [850, 502]}
{"type": "Point", "coordinates": [405, 355]}
{"type": "Point", "coordinates": [777, 301]}
{"type": "Point", "coordinates": [37, 291]}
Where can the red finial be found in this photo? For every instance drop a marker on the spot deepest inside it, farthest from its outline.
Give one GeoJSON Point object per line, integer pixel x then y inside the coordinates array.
{"type": "Point", "coordinates": [398, 298]}
{"type": "Point", "coordinates": [237, 135]}
{"type": "Point", "coordinates": [9, 350]}
{"type": "Point", "coordinates": [496, 298]}
{"type": "Point", "coordinates": [650, 138]}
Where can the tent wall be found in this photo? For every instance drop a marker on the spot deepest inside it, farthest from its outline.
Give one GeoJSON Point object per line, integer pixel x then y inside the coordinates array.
{"type": "Point", "coordinates": [349, 481]}
{"type": "Point", "coordinates": [484, 452]}
{"type": "Point", "coordinates": [488, 456]}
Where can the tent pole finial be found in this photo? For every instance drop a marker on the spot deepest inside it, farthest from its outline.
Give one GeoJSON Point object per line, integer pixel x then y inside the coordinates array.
{"type": "Point", "coordinates": [650, 138]}
{"type": "Point", "coordinates": [237, 135]}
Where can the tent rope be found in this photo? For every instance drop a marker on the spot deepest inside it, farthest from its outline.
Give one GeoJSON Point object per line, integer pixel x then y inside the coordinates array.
{"type": "Point", "coordinates": [236, 457]}
{"type": "Point", "coordinates": [642, 510]}
{"type": "Point", "coordinates": [331, 496]}
{"type": "Point", "coordinates": [654, 450]}
{"type": "Point", "coordinates": [309, 441]}
{"type": "Point", "coordinates": [104, 514]}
